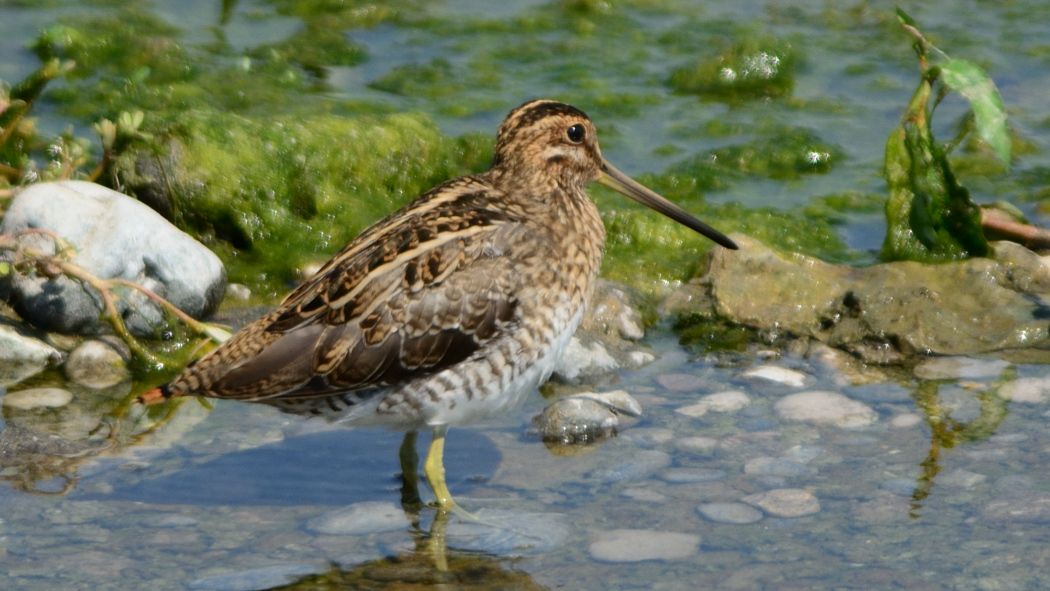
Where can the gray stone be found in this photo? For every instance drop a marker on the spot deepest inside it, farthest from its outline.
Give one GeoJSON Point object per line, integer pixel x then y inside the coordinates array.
{"type": "Point", "coordinates": [643, 464]}
{"type": "Point", "coordinates": [586, 417]}
{"type": "Point", "coordinates": [1026, 390]}
{"type": "Point", "coordinates": [22, 356]}
{"type": "Point", "coordinates": [98, 363]}
{"type": "Point", "coordinates": [1025, 508]}
{"type": "Point", "coordinates": [692, 475]}
{"type": "Point", "coordinates": [636, 545]}
{"type": "Point", "coordinates": [369, 517]}
{"type": "Point", "coordinates": [825, 408]}
{"type": "Point", "coordinates": [115, 236]}
{"type": "Point", "coordinates": [777, 375]}
{"type": "Point", "coordinates": [960, 368]}
{"type": "Point", "coordinates": [765, 466]}
{"type": "Point", "coordinates": [730, 513]}
{"type": "Point", "coordinates": [785, 502]}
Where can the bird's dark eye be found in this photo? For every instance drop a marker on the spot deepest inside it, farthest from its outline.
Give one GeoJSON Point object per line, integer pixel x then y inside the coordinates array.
{"type": "Point", "coordinates": [576, 133]}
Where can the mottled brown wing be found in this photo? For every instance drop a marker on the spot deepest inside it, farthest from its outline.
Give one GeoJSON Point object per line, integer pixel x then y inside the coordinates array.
{"type": "Point", "coordinates": [422, 293]}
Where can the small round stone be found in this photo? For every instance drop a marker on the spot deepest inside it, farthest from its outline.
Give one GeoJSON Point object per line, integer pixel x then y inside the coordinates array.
{"type": "Point", "coordinates": [37, 398]}
{"type": "Point", "coordinates": [691, 475]}
{"type": "Point", "coordinates": [905, 421]}
{"type": "Point", "coordinates": [785, 502]}
{"type": "Point", "coordinates": [98, 363]}
{"type": "Point", "coordinates": [765, 466]}
{"type": "Point", "coordinates": [360, 518]}
{"type": "Point", "coordinates": [731, 513]}
{"type": "Point", "coordinates": [826, 408]}
{"type": "Point", "coordinates": [1026, 390]}
{"type": "Point", "coordinates": [775, 374]}
{"type": "Point", "coordinates": [729, 401]}
{"type": "Point", "coordinates": [636, 545]}
{"type": "Point", "coordinates": [681, 382]}
{"type": "Point", "coordinates": [697, 444]}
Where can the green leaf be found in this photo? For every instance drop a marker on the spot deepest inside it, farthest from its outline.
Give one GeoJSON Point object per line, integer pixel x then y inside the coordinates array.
{"type": "Point", "coordinates": [969, 80]}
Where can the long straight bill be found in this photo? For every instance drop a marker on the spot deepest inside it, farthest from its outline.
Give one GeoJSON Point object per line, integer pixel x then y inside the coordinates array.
{"type": "Point", "coordinates": [621, 183]}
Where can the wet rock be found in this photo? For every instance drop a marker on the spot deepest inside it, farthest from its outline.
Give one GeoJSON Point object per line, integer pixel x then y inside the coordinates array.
{"type": "Point", "coordinates": [692, 475]}
{"type": "Point", "coordinates": [905, 421]}
{"type": "Point", "coordinates": [98, 363]}
{"type": "Point", "coordinates": [37, 398]}
{"type": "Point", "coordinates": [239, 292]}
{"type": "Point", "coordinates": [803, 454]}
{"type": "Point", "coordinates": [636, 545]}
{"type": "Point", "coordinates": [730, 513]}
{"type": "Point", "coordinates": [882, 314]}
{"type": "Point", "coordinates": [509, 533]}
{"type": "Point", "coordinates": [584, 360]}
{"type": "Point", "coordinates": [605, 339]}
{"type": "Point", "coordinates": [645, 495]}
{"type": "Point", "coordinates": [256, 579]}
{"type": "Point", "coordinates": [697, 444]}
{"type": "Point", "coordinates": [22, 356]}
{"type": "Point", "coordinates": [649, 436]}
{"type": "Point", "coordinates": [1026, 390]}
{"type": "Point", "coordinates": [115, 236]}
{"type": "Point", "coordinates": [825, 408]}
{"type": "Point", "coordinates": [360, 518]}
{"type": "Point", "coordinates": [903, 487]}
{"type": "Point", "coordinates": [785, 502]}
{"type": "Point", "coordinates": [960, 368]}
{"type": "Point", "coordinates": [777, 375]}
{"type": "Point", "coordinates": [586, 417]}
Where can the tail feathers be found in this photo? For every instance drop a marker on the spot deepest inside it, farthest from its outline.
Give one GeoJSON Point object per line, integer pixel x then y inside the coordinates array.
{"type": "Point", "coordinates": [155, 396]}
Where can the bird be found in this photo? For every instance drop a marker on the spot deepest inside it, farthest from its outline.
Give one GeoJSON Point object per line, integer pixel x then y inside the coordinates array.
{"type": "Point", "coordinates": [452, 309]}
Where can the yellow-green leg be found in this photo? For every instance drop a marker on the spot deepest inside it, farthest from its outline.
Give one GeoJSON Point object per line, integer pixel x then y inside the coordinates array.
{"type": "Point", "coordinates": [434, 469]}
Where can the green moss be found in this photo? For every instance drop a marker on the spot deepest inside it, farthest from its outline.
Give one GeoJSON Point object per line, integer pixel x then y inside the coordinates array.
{"type": "Point", "coordinates": [786, 153]}
{"type": "Point", "coordinates": [271, 195]}
{"type": "Point", "coordinates": [749, 67]}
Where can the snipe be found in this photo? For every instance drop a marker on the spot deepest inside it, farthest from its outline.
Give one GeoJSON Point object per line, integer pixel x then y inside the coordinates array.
{"type": "Point", "coordinates": [449, 310]}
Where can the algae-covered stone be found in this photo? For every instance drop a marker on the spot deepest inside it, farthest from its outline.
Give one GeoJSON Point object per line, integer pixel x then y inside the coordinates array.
{"type": "Point", "coordinates": [752, 67]}
{"type": "Point", "coordinates": [283, 191]}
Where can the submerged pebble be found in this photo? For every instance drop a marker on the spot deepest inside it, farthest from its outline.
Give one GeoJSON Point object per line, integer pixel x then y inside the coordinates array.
{"type": "Point", "coordinates": [730, 513]}
{"type": "Point", "coordinates": [765, 466]}
{"type": "Point", "coordinates": [641, 465]}
{"type": "Point", "coordinates": [37, 398]}
{"type": "Point", "coordinates": [960, 368]}
{"type": "Point", "coordinates": [514, 533]}
{"type": "Point", "coordinates": [636, 545]}
{"type": "Point", "coordinates": [681, 382]}
{"type": "Point", "coordinates": [360, 518]}
{"type": "Point", "coordinates": [825, 408]}
{"type": "Point", "coordinates": [99, 363]}
{"type": "Point", "coordinates": [779, 375]}
{"type": "Point", "coordinates": [785, 502]}
{"type": "Point", "coordinates": [1026, 390]}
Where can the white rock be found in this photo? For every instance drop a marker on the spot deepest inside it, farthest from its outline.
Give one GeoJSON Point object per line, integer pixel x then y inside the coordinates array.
{"type": "Point", "coordinates": [700, 444]}
{"type": "Point", "coordinates": [636, 545]}
{"type": "Point", "coordinates": [38, 398]}
{"type": "Point", "coordinates": [905, 421]}
{"type": "Point", "coordinates": [731, 513]}
{"type": "Point", "coordinates": [730, 401]}
{"type": "Point", "coordinates": [779, 375]}
{"type": "Point", "coordinates": [693, 410]}
{"type": "Point", "coordinates": [578, 359]}
{"type": "Point", "coordinates": [826, 408]}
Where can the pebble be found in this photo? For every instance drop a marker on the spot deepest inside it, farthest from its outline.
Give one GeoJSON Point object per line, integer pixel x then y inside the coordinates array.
{"type": "Point", "coordinates": [825, 408]}
{"type": "Point", "coordinates": [697, 444]}
{"type": "Point", "coordinates": [98, 363]}
{"type": "Point", "coordinates": [585, 417]}
{"type": "Point", "coordinates": [645, 495]}
{"type": "Point", "coordinates": [360, 518]}
{"type": "Point", "coordinates": [681, 382]}
{"type": "Point", "coordinates": [170, 520]}
{"type": "Point", "coordinates": [691, 475]}
{"type": "Point", "coordinates": [765, 466]}
{"type": "Point", "coordinates": [580, 359]}
{"type": "Point", "coordinates": [731, 513]}
{"type": "Point", "coordinates": [960, 368]}
{"type": "Point", "coordinates": [1026, 390]}
{"type": "Point", "coordinates": [779, 375]}
{"type": "Point", "coordinates": [785, 502]}
{"type": "Point", "coordinates": [729, 401]}
{"type": "Point", "coordinates": [649, 436]}
{"type": "Point", "coordinates": [905, 421]}
{"type": "Point", "coordinates": [238, 291]}
{"type": "Point", "coordinates": [804, 454]}
{"type": "Point", "coordinates": [639, 359]}
{"type": "Point", "coordinates": [253, 580]}
{"type": "Point", "coordinates": [37, 398]}
{"type": "Point", "coordinates": [636, 545]}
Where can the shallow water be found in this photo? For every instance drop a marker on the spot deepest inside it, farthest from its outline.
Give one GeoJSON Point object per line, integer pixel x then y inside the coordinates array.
{"type": "Point", "coordinates": [236, 497]}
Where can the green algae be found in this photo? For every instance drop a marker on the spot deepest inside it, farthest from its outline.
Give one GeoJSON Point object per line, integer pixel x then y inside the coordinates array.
{"type": "Point", "coordinates": [749, 67]}
{"type": "Point", "coordinates": [272, 195]}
